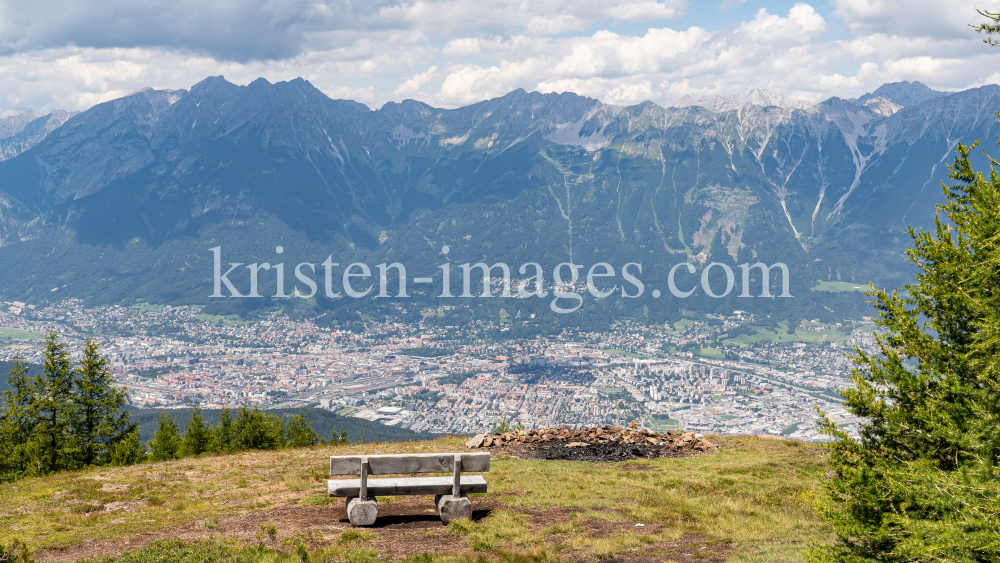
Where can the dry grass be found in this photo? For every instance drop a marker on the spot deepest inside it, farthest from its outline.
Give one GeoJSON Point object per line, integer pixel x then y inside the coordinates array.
{"type": "Point", "coordinates": [752, 501]}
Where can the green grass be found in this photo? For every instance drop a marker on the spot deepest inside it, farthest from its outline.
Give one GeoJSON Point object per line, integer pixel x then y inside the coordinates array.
{"type": "Point", "coordinates": [711, 353]}
{"type": "Point", "coordinates": [226, 320]}
{"type": "Point", "coordinates": [753, 498]}
{"type": "Point", "coordinates": [663, 422]}
{"type": "Point", "coordinates": [838, 286]}
{"type": "Point", "coordinates": [144, 307]}
{"type": "Point", "coordinates": [791, 429]}
{"type": "Point", "coordinates": [781, 335]}
{"type": "Point", "coordinates": [21, 334]}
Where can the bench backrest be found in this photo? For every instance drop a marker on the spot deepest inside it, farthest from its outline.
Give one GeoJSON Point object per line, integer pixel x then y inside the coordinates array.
{"type": "Point", "coordinates": [409, 463]}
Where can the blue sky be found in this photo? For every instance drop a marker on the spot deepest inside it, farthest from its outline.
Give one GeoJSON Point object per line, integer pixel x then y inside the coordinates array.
{"type": "Point", "coordinates": [72, 54]}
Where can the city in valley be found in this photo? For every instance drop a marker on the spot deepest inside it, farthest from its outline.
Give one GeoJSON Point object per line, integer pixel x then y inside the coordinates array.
{"type": "Point", "coordinates": [735, 374]}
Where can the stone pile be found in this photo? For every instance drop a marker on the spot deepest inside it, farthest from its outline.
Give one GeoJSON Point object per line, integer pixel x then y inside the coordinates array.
{"type": "Point", "coordinates": [583, 437]}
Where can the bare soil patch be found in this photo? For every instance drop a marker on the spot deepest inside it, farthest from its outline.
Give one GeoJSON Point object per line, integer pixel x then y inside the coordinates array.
{"type": "Point", "coordinates": [405, 527]}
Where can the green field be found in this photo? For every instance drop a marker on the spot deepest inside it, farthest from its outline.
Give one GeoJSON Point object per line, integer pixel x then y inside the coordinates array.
{"type": "Point", "coordinates": [144, 307]}
{"type": "Point", "coordinates": [663, 422]}
{"type": "Point", "coordinates": [711, 353]}
{"type": "Point", "coordinates": [21, 334]}
{"type": "Point", "coordinates": [781, 335]}
{"type": "Point", "coordinates": [226, 320]}
{"type": "Point", "coordinates": [839, 286]}
{"type": "Point", "coordinates": [683, 324]}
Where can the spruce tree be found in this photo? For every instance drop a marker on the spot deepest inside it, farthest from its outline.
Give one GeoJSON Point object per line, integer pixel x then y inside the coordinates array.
{"type": "Point", "coordinates": [197, 435]}
{"type": "Point", "coordinates": [920, 482]}
{"type": "Point", "coordinates": [101, 418]}
{"type": "Point", "coordinates": [166, 442]}
{"type": "Point", "coordinates": [55, 408]}
{"type": "Point", "coordinates": [18, 421]}
{"type": "Point", "coordinates": [343, 436]}
{"type": "Point", "coordinates": [299, 432]}
{"type": "Point", "coordinates": [223, 434]}
{"type": "Point", "coordinates": [255, 430]}
{"type": "Point", "coordinates": [127, 451]}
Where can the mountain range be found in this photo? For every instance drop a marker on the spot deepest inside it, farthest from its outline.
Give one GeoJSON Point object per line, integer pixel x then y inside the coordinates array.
{"type": "Point", "coordinates": [123, 201]}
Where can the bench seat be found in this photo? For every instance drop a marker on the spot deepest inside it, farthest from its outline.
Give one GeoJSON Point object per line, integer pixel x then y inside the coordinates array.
{"type": "Point", "coordinates": [406, 486]}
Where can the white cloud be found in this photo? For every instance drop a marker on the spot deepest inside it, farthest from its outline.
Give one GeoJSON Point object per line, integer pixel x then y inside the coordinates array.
{"type": "Point", "coordinates": [456, 52]}
{"type": "Point", "coordinates": [913, 18]}
{"type": "Point", "coordinates": [802, 25]}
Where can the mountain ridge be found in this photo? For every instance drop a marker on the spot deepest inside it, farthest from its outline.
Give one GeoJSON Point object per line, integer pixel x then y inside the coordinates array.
{"type": "Point", "coordinates": [160, 175]}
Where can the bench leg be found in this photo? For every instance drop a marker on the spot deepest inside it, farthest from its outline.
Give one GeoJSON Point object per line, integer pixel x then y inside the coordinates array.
{"type": "Point", "coordinates": [450, 508]}
{"type": "Point", "coordinates": [362, 512]}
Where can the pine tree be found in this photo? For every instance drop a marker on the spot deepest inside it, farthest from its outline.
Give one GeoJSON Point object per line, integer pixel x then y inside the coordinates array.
{"type": "Point", "coordinates": [920, 483]}
{"type": "Point", "coordinates": [55, 407]}
{"type": "Point", "coordinates": [127, 451]}
{"type": "Point", "coordinates": [299, 432]}
{"type": "Point", "coordinates": [343, 436]}
{"type": "Point", "coordinates": [101, 418]}
{"type": "Point", "coordinates": [223, 434]}
{"type": "Point", "coordinates": [166, 442]}
{"type": "Point", "coordinates": [334, 438]}
{"type": "Point", "coordinates": [197, 436]}
{"type": "Point", "coordinates": [18, 421]}
{"type": "Point", "coordinates": [254, 430]}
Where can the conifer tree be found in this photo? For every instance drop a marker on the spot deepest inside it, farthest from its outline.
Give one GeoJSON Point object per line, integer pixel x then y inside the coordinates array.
{"type": "Point", "coordinates": [920, 482]}
{"type": "Point", "coordinates": [166, 442]}
{"type": "Point", "coordinates": [223, 434]}
{"type": "Point", "coordinates": [255, 430]}
{"type": "Point", "coordinates": [299, 432]}
{"type": "Point", "coordinates": [54, 407]}
{"type": "Point", "coordinates": [127, 451]}
{"type": "Point", "coordinates": [343, 436]}
{"type": "Point", "coordinates": [18, 421]}
{"type": "Point", "coordinates": [197, 435]}
{"type": "Point", "coordinates": [101, 418]}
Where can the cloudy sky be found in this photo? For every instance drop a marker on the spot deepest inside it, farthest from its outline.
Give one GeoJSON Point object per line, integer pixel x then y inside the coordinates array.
{"type": "Point", "coordinates": [72, 54]}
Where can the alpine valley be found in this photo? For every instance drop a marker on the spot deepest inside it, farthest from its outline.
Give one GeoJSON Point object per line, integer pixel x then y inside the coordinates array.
{"type": "Point", "coordinates": [124, 201]}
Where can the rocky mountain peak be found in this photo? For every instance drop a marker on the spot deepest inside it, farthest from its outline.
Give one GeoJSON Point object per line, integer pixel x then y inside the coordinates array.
{"type": "Point", "coordinates": [903, 93]}
{"type": "Point", "coordinates": [757, 97]}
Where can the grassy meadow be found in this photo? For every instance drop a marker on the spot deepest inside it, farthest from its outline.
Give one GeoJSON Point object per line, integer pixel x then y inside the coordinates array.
{"type": "Point", "coordinates": [751, 501]}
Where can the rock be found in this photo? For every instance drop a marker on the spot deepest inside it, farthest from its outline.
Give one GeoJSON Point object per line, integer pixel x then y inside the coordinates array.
{"type": "Point", "coordinates": [653, 441]}
{"type": "Point", "coordinates": [475, 441]}
{"type": "Point", "coordinates": [577, 444]}
{"type": "Point", "coordinates": [633, 425]}
{"type": "Point", "coordinates": [487, 441]}
{"type": "Point", "coordinates": [362, 512]}
{"type": "Point", "coordinates": [450, 508]}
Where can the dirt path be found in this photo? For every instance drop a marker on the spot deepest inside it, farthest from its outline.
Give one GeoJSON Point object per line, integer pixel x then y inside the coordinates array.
{"type": "Point", "coordinates": [407, 526]}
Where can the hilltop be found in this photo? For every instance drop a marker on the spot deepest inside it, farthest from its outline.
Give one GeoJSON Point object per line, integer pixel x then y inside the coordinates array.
{"type": "Point", "coordinates": [751, 500]}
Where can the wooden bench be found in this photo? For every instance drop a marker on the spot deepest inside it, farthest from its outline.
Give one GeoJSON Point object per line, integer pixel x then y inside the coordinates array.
{"type": "Point", "coordinates": [450, 493]}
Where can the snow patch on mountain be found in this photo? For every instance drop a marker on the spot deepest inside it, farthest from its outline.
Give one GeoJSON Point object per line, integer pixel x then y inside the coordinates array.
{"type": "Point", "coordinates": [882, 106]}
{"type": "Point", "coordinates": [903, 93]}
{"type": "Point", "coordinates": [588, 131]}
{"type": "Point", "coordinates": [717, 103]}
